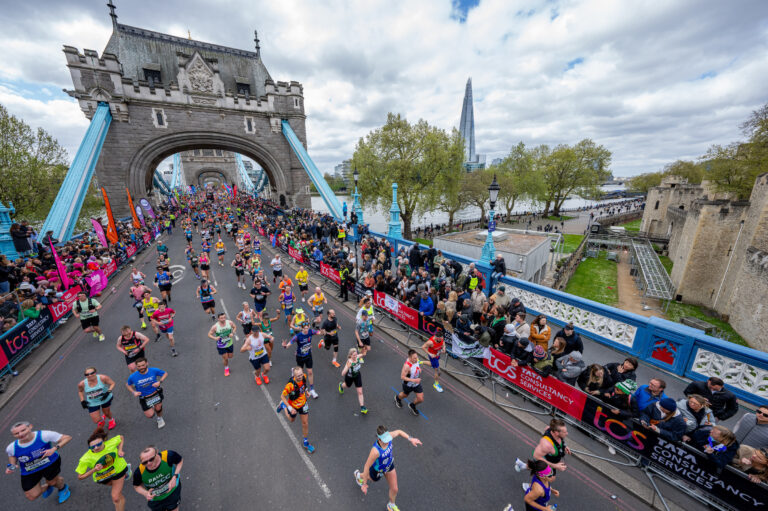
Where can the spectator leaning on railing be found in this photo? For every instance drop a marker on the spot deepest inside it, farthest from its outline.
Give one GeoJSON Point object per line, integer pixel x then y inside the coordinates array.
{"type": "Point", "coordinates": [572, 339]}
{"type": "Point", "coordinates": [569, 367]}
{"type": "Point", "coordinates": [722, 401]}
{"type": "Point", "coordinates": [648, 394]}
{"type": "Point", "coordinates": [664, 418]}
{"type": "Point", "coordinates": [752, 428]}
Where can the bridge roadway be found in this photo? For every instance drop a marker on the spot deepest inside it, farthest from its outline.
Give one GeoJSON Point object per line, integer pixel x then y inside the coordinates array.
{"type": "Point", "coordinates": [237, 452]}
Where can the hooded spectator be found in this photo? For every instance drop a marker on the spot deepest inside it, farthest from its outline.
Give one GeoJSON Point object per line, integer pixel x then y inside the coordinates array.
{"type": "Point", "coordinates": [620, 397]}
{"type": "Point", "coordinates": [569, 367]}
{"type": "Point", "coordinates": [522, 352]}
{"type": "Point", "coordinates": [515, 306]}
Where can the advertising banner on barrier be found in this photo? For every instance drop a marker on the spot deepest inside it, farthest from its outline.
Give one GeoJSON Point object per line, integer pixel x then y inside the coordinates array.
{"type": "Point", "coordinates": [15, 340]}
{"type": "Point", "coordinates": [261, 232]}
{"type": "Point", "coordinates": [329, 273]}
{"type": "Point", "coordinates": [560, 395]}
{"type": "Point", "coordinates": [97, 281]}
{"type": "Point", "coordinates": [60, 309]}
{"type": "Point", "coordinates": [130, 251]}
{"type": "Point", "coordinates": [313, 265]}
{"type": "Point", "coordinates": [147, 238]}
{"type": "Point", "coordinates": [110, 268]}
{"type": "Point", "coordinates": [296, 254]}
{"type": "Point", "coordinates": [401, 311]}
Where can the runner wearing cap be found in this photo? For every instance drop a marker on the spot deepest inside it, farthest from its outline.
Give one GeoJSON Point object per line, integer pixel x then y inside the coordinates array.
{"type": "Point", "coordinates": [381, 462]}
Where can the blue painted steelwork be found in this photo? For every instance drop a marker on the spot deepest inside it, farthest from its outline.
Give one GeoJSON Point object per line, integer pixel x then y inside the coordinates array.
{"type": "Point", "coordinates": [334, 206]}
{"type": "Point", "coordinates": [65, 211]}
{"type": "Point", "coordinates": [489, 249]}
{"type": "Point", "coordinates": [244, 177]}
{"type": "Point", "coordinates": [160, 184]}
{"type": "Point", "coordinates": [674, 347]}
{"type": "Point", "coordinates": [176, 177]}
{"type": "Point", "coordinates": [395, 229]}
{"type": "Point", "coordinates": [6, 240]}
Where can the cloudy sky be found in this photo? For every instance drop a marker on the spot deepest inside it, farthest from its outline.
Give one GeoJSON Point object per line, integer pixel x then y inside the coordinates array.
{"type": "Point", "coordinates": [653, 80]}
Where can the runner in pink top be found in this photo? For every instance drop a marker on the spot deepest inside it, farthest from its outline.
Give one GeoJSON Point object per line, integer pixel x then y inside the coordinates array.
{"type": "Point", "coordinates": [163, 319]}
{"type": "Point", "coordinates": [137, 293]}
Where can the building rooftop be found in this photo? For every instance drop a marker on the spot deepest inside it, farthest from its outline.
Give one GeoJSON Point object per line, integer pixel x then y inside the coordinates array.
{"type": "Point", "coordinates": [512, 242]}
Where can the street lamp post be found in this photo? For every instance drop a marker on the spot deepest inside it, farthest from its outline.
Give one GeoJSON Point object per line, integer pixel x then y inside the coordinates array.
{"type": "Point", "coordinates": [359, 219]}
{"type": "Point", "coordinates": [489, 250]}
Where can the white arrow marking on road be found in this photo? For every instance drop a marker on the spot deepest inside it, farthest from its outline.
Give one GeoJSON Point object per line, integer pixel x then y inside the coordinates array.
{"type": "Point", "coordinates": [178, 271]}
{"type": "Point", "coordinates": [311, 466]}
{"type": "Point", "coordinates": [213, 277]}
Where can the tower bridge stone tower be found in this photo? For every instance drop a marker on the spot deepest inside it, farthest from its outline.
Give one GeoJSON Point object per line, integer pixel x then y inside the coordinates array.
{"type": "Point", "coordinates": [169, 94]}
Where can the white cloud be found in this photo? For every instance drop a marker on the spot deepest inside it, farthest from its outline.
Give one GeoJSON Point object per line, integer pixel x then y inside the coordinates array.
{"type": "Point", "coordinates": [653, 81]}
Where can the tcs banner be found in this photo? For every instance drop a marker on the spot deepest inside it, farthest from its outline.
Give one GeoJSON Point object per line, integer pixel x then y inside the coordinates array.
{"type": "Point", "coordinates": [60, 309]}
{"type": "Point", "coordinates": [329, 273]}
{"type": "Point", "coordinates": [401, 311]}
{"type": "Point", "coordinates": [295, 254]}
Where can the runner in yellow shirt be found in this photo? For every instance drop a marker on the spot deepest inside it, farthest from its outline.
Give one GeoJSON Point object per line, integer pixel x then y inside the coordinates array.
{"type": "Point", "coordinates": [302, 277]}
{"type": "Point", "coordinates": [317, 300]}
{"type": "Point", "coordinates": [104, 462]}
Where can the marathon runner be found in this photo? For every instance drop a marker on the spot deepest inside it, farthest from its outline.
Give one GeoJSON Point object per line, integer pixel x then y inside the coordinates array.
{"type": "Point", "coordinates": [158, 478]}
{"type": "Point", "coordinates": [303, 342]}
{"type": "Point", "coordinates": [286, 301]}
{"type": "Point", "coordinates": [331, 338]}
{"type": "Point", "coordinates": [551, 448]}
{"type": "Point", "coordinates": [381, 462]}
{"type": "Point", "coordinates": [302, 279]}
{"type": "Point", "coordinates": [194, 261]}
{"type": "Point", "coordinates": [163, 262]}
{"type": "Point", "coordinates": [294, 401]}
{"type": "Point", "coordinates": [238, 263]}
{"type": "Point", "coordinates": [277, 268]}
{"type": "Point", "coordinates": [351, 374]}
{"type": "Point", "coordinates": [163, 282]}
{"type": "Point", "coordinates": [245, 317]}
{"type": "Point", "coordinates": [150, 305]}
{"type": "Point", "coordinates": [220, 248]}
{"type": "Point", "coordinates": [95, 393]}
{"type": "Point", "coordinates": [205, 292]}
{"type": "Point", "coordinates": [163, 318]}
{"type": "Point", "coordinates": [255, 346]}
{"type": "Point", "coordinates": [188, 235]}
{"type": "Point", "coordinates": [411, 376]}
{"type": "Point", "coordinates": [539, 491]}
{"type": "Point", "coordinates": [137, 293]}
{"type": "Point", "coordinates": [254, 265]}
{"type": "Point", "coordinates": [131, 344]}
{"type": "Point", "coordinates": [299, 320]}
{"type": "Point", "coordinates": [104, 462]}
{"type": "Point", "coordinates": [36, 453]}
{"type": "Point", "coordinates": [137, 276]}
{"type": "Point", "coordinates": [285, 281]}
{"type": "Point", "coordinates": [86, 309]}
{"type": "Point", "coordinates": [205, 264]}
{"type": "Point", "coordinates": [222, 332]}
{"type": "Point", "coordinates": [145, 384]}
{"type": "Point", "coordinates": [317, 301]}
{"type": "Point", "coordinates": [265, 325]}
{"type": "Point", "coordinates": [259, 293]}
{"type": "Point", "coordinates": [257, 246]}
{"type": "Point", "coordinates": [363, 333]}
{"type": "Point", "coordinates": [435, 346]}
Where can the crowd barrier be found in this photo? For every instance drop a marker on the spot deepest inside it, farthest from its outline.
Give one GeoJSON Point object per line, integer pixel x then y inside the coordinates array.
{"type": "Point", "coordinates": [20, 340]}
{"type": "Point", "coordinates": [678, 463]}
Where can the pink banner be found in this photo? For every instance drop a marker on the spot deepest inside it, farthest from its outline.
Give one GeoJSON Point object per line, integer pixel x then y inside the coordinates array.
{"type": "Point", "coordinates": [110, 268]}
{"type": "Point", "coordinates": [131, 250]}
{"type": "Point", "coordinates": [560, 395]}
{"type": "Point", "coordinates": [147, 238]}
{"type": "Point", "coordinates": [60, 309]}
{"type": "Point", "coordinates": [100, 232]}
{"type": "Point", "coordinates": [97, 281]}
{"type": "Point", "coordinates": [261, 231]}
{"type": "Point", "coordinates": [296, 255]}
{"type": "Point", "coordinates": [65, 281]}
{"type": "Point", "coordinates": [399, 310]}
{"type": "Point", "coordinates": [330, 273]}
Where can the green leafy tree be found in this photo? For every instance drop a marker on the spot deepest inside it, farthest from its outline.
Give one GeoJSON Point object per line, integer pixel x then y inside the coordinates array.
{"type": "Point", "coordinates": [475, 188]}
{"type": "Point", "coordinates": [644, 182]}
{"type": "Point", "coordinates": [692, 172]}
{"type": "Point", "coordinates": [518, 178]}
{"type": "Point", "coordinates": [423, 160]}
{"type": "Point", "coordinates": [729, 168]}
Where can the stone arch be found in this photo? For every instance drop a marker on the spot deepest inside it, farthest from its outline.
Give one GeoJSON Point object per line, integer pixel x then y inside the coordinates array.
{"type": "Point", "coordinates": [149, 156]}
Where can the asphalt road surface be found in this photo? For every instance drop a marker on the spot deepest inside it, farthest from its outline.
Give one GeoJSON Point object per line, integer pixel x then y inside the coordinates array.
{"type": "Point", "coordinates": [239, 454]}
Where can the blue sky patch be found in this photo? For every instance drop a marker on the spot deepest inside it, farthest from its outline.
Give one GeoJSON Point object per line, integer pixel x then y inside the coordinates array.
{"type": "Point", "coordinates": [573, 63]}
{"type": "Point", "coordinates": [461, 9]}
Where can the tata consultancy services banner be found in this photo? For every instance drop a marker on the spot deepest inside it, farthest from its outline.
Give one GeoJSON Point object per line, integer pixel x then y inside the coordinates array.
{"type": "Point", "coordinates": [399, 310]}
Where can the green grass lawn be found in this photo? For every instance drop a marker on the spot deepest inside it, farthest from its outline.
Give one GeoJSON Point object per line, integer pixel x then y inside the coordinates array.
{"type": "Point", "coordinates": [677, 311]}
{"type": "Point", "coordinates": [423, 241]}
{"type": "Point", "coordinates": [571, 242]}
{"type": "Point", "coordinates": [634, 225]}
{"type": "Point", "coordinates": [667, 262]}
{"type": "Point", "coordinates": [561, 218]}
{"type": "Point", "coordinates": [595, 279]}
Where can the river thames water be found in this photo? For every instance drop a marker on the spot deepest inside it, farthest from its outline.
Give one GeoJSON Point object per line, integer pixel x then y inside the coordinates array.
{"type": "Point", "coordinates": [379, 219]}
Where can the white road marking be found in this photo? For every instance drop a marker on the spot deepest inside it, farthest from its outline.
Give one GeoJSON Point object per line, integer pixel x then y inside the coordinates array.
{"type": "Point", "coordinates": [178, 273]}
{"type": "Point", "coordinates": [311, 466]}
{"type": "Point", "coordinates": [213, 277]}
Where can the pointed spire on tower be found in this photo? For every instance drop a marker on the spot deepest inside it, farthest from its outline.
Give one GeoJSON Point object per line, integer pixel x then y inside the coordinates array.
{"type": "Point", "coordinates": [256, 40]}
{"type": "Point", "coordinates": [467, 123]}
{"type": "Point", "coordinates": [112, 14]}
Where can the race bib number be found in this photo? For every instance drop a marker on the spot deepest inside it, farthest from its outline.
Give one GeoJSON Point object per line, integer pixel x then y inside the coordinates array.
{"type": "Point", "coordinates": [153, 399]}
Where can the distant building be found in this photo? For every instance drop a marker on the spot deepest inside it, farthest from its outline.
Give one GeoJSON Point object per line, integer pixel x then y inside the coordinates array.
{"type": "Point", "coordinates": [473, 161]}
{"type": "Point", "coordinates": [496, 161]}
{"type": "Point", "coordinates": [344, 170]}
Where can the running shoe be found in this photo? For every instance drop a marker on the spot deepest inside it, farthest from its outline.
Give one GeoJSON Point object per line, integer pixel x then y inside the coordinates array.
{"type": "Point", "coordinates": [160, 423]}
{"type": "Point", "coordinates": [364, 410]}
{"type": "Point", "coordinates": [128, 471]}
{"type": "Point", "coordinates": [321, 344]}
{"type": "Point", "coordinates": [359, 478]}
{"type": "Point", "coordinates": [266, 378]}
{"type": "Point", "coordinates": [64, 494]}
{"type": "Point", "coordinates": [413, 409]}
{"type": "Point", "coordinates": [398, 402]}
{"type": "Point", "coordinates": [101, 339]}
{"type": "Point", "coordinates": [258, 380]}
{"type": "Point", "coordinates": [341, 389]}
{"type": "Point", "coordinates": [95, 334]}
{"type": "Point", "coordinates": [174, 353]}
{"type": "Point", "coordinates": [392, 507]}
{"type": "Point", "coordinates": [526, 486]}
{"type": "Point", "coordinates": [111, 424]}
{"type": "Point", "coordinates": [309, 447]}
{"type": "Point", "coordinates": [313, 394]}
{"type": "Point", "coordinates": [520, 465]}
{"type": "Point", "coordinates": [143, 324]}
{"type": "Point", "coordinates": [101, 422]}
{"type": "Point", "coordinates": [48, 491]}
{"type": "Point", "coordinates": [335, 364]}
{"type": "Point", "coordinates": [157, 337]}
{"type": "Point", "coordinates": [280, 407]}
{"type": "Point", "coordinates": [508, 507]}
{"type": "Point", "coordinates": [437, 387]}
{"type": "Point", "coordinates": [226, 371]}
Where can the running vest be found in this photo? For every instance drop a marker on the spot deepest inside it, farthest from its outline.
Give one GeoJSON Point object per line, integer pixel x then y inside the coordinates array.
{"type": "Point", "coordinates": [437, 346]}
{"type": "Point", "coordinates": [415, 372]}
{"type": "Point", "coordinates": [287, 300]}
{"type": "Point", "coordinates": [163, 278]}
{"type": "Point", "coordinates": [225, 335]}
{"type": "Point", "coordinates": [257, 347]}
{"type": "Point", "coordinates": [300, 319]}
{"type": "Point", "coordinates": [131, 344]}
{"type": "Point", "coordinates": [302, 278]}
{"type": "Point", "coordinates": [542, 501]}
{"type": "Point", "coordinates": [159, 479]}
{"type": "Point", "coordinates": [239, 264]}
{"type": "Point", "coordinates": [317, 301]}
{"type": "Point", "coordinates": [205, 294]}
{"type": "Point", "coordinates": [385, 460]}
{"type": "Point", "coordinates": [98, 394]}
{"type": "Point", "coordinates": [31, 458]}
{"type": "Point", "coordinates": [266, 327]}
{"type": "Point", "coordinates": [247, 316]}
{"type": "Point", "coordinates": [136, 276]}
{"type": "Point", "coordinates": [137, 293]}
{"type": "Point", "coordinates": [354, 368]}
{"type": "Point", "coordinates": [150, 305]}
{"type": "Point", "coordinates": [220, 247]}
{"type": "Point", "coordinates": [298, 387]}
{"type": "Point", "coordinates": [559, 448]}
{"type": "Point", "coordinates": [369, 310]}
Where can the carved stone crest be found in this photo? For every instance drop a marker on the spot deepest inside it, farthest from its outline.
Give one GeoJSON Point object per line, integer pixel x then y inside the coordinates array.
{"type": "Point", "coordinates": [200, 76]}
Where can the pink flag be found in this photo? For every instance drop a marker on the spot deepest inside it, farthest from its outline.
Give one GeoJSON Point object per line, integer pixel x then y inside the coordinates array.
{"type": "Point", "coordinates": [97, 281]}
{"type": "Point", "coordinates": [100, 232]}
{"type": "Point", "coordinates": [65, 282]}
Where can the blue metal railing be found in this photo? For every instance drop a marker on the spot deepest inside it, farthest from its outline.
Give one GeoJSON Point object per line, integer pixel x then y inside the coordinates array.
{"type": "Point", "coordinates": [244, 177]}
{"type": "Point", "coordinates": [334, 206]}
{"type": "Point", "coordinates": [65, 211]}
{"type": "Point", "coordinates": [160, 183]}
{"type": "Point", "coordinates": [176, 177]}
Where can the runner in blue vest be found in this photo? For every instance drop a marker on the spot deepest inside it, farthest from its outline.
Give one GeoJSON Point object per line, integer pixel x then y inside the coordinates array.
{"type": "Point", "coordinates": [163, 282]}
{"type": "Point", "coordinates": [381, 462]}
{"type": "Point", "coordinates": [36, 453]}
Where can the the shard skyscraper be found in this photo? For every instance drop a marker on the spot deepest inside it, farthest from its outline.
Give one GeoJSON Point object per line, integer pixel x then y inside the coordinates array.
{"type": "Point", "coordinates": [467, 124]}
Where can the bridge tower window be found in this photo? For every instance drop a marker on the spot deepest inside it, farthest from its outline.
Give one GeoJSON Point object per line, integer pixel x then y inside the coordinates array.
{"type": "Point", "coordinates": [153, 76]}
{"type": "Point", "coordinates": [158, 118]}
{"type": "Point", "coordinates": [244, 89]}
